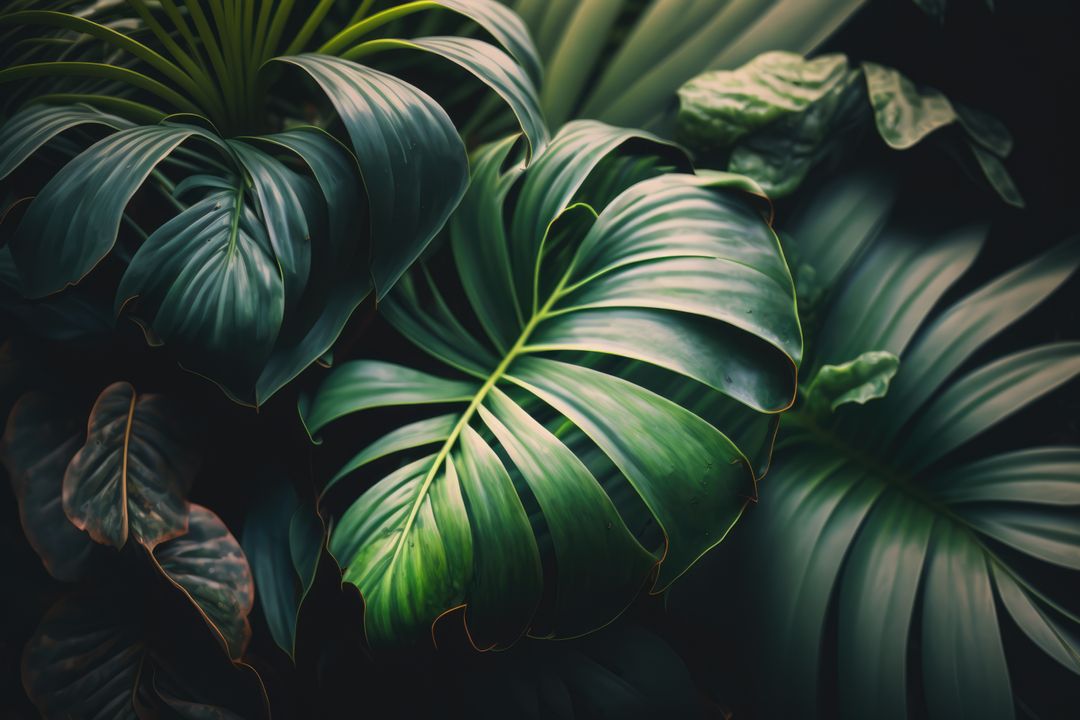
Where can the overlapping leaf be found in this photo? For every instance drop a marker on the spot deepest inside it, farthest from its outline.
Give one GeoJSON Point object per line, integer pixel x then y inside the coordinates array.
{"type": "Point", "coordinates": [673, 270]}
{"type": "Point", "coordinates": [100, 653]}
{"type": "Point", "coordinates": [870, 513]}
{"type": "Point", "coordinates": [252, 232]}
{"type": "Point", "coordinates": [779, 115]}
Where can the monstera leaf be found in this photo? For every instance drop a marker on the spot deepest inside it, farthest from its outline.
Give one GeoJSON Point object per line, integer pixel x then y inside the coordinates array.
{"type": "Point", "coordinates": [281, 230]}
{"type": "Point", "coordinates": [879, 531]}
{"type": "Point", "coordinates": [600, 257]}
{"type": "Point", "coordinates": [779, 115]}
{"type": "Point", "coordinates": [100, 653]}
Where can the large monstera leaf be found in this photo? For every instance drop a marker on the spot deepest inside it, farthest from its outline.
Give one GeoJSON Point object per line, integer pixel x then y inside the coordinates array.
{"type": "Point", "coordinates": [278, 236]}
{"type": "Point", "coordinates": [922, 554]}
{"type": "Point", "coordinates": [601, 260]}
{"type": "Point", "coordinates": [101, 653]}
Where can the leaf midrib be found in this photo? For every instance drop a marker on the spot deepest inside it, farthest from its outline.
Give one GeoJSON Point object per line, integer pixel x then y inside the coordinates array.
{"type": "Point", "coordinates": [519, 348]}
{"type": "Point", "coordinates": [902, 483]}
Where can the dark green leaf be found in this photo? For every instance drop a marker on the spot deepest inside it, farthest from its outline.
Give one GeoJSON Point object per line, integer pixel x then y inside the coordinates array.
{"type": "Point", "coordinates": [73, 222]}
{"type": "Point", "coordinates": [412, 161]}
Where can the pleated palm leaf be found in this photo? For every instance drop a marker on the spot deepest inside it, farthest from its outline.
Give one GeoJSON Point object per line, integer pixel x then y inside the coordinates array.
{"type": "Point", "coordinates": [622, 61]}
{"type": "Point", "coordinates": [882, 531]}
{"type": "Point", "coordinates": [280, 228]}
{"type": "Point", "coordinates": [591, 255]}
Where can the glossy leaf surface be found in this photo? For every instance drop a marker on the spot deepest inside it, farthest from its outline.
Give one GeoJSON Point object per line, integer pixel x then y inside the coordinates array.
{"type": "Point", "coordinates": [449, 526]}
{"type": "Point", "coordinates": [880, 531]}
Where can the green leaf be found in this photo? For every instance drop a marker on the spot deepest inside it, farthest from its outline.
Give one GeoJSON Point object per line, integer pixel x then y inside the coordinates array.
{"type": "Point", "coordinates": [450, 526]}
{"type": "Point", "coordinates": [33, 127]}
{"type": "Point", "coordinates": [872, 535]}
{"type": "Point", "coordinates": [964, 666]}
{"type": "Point", "coordinates": [492, 66]}
{"type": "Point", "coordinates": [339, 270]}
{"type": "Point", "coordinates": [904, 114]}
{"type": "Point", "coordinates": [282, 540]}
{"type": "Point", "coordinates": [210, 285]}
{"type": "Point", "coordinates": [857, 381]}
{"type": "Point", "coordinates": [132, 474]}
{"type": "Point", "coordinates": [411, 159]}
{"type": "Point", "coordinates": [717, 109]}
{"type": "Point", "coordinates": [278, 191]}
{"type": "Point", "coordinates": [778, 116]}
{"type": "Point", "coordinates": [73, 222]}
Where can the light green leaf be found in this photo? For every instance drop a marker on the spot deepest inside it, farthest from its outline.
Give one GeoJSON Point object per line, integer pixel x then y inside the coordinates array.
{"type": "Point", "coordinates": [451, 528]}
{"type": "Point", "coordinates": [857, 381]}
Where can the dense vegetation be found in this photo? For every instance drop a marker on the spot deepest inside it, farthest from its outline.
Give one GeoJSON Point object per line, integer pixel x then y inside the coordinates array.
{"type": "Point", "coordinates": [539, 358]}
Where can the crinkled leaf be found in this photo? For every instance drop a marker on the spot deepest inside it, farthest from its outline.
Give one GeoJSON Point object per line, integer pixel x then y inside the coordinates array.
{"type": "Point", "coordinates": [857, 381]}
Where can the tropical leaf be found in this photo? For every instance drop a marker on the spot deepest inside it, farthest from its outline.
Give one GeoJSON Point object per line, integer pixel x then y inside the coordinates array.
{"type": "Point", "coordinates": [132, 474]}
{"type": "Point", "coordinates": [101, 653]}
{"type": "Point", "coordinates": [858, 381]}
{"type": "Point", "coordinates": [780, 115]}
{"type": "Point", "coordinates": [677, 271]}
{"type": "Point", "coordinates": [40, 439]}
{"type": "Point", "coordinates": [208, 564]}
{"type": "Point", "coordinates": [879, 531]}
{"type": "Point", "coordinates": [283, 539]}
{"type": "Point", "coordinates": [621, 62]}
{"type": "Point", "coordinates": [256, 233]}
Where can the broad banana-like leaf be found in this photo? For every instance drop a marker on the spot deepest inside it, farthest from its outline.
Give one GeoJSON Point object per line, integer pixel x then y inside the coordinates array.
{"type": "Point", "coordinates": [132, 474]}
{"type": "Point", "coordinates": [593, 256]}
{"type": "Point", "coordinates": [779, 115]}
{"type": "Point", "coordinates": [103, 653]}
{"type": "Point", "coordinates": [874, 535]}
{"type": "Point", "coordinates": [303, 253]}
